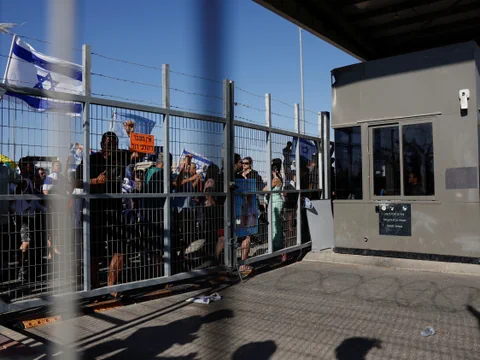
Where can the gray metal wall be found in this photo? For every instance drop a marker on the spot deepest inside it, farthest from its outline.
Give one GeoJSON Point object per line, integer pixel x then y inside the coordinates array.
{"type": "Point", "coordinates": [410, 88]}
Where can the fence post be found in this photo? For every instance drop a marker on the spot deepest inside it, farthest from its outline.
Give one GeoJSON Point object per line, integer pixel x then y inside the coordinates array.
{"type": "Point", "coordinates": [326, 153]}
{"type": "Point", "coordinates": [87, 91]}
{"type": "Point", "coordinates": [229, 176]}
{"type": "Point", "coordinates": [321, 149]}
{"type": "Point", "coordinates": [298, 176]}
{"type": "Point", "coordinates": [167, 233]}
{"type": "Point", "coordinates": [268, 121]}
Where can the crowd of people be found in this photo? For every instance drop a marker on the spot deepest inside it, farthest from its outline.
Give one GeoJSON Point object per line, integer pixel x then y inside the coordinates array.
{"type": "Point", "coordinates": [129, 230]}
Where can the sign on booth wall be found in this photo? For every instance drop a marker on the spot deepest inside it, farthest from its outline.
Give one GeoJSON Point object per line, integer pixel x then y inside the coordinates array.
{"type": "Point", "coordinates": [395, 219]}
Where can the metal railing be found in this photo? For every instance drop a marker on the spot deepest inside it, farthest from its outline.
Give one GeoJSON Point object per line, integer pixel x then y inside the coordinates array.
{"type": "Point", "coordinates": [96, 217]}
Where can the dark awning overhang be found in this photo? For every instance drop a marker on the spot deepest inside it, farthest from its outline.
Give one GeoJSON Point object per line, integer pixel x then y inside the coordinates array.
{"type": "Point", "coordinates": [373, 29]}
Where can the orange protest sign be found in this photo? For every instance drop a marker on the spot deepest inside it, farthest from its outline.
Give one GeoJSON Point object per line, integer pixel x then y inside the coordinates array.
{"type": "Point", "coordinates": [142, 143]}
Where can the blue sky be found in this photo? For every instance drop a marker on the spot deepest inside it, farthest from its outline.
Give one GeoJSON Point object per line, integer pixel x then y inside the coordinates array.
{"type": "Point", "coordinates": [258, 50]}
{"type": "Point", "coordinates": [261, 48]}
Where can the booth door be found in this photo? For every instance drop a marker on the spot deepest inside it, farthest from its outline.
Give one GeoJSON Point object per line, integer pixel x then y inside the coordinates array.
{"type": "Point", "coordinates": [401, 172]}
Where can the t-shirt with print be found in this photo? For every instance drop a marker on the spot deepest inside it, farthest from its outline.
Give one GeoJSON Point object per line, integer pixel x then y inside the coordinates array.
{"type": "Point", "coordinates": [114, 167]}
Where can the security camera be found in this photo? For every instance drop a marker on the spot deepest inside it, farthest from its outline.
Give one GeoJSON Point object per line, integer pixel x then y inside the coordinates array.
{"type": "Point", "coordinates": [464, 96]}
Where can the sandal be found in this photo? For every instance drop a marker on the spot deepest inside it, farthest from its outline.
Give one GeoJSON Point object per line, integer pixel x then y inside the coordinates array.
{"type": "Point", "coordinates": [245, 268]}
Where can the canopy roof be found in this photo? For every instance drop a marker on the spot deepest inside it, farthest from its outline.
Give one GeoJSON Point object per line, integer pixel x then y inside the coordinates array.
{"type": "Point", "coordinates": [373, 29]}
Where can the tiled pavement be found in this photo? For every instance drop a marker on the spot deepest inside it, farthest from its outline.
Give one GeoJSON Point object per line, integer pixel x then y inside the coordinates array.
{"type": "Point", "coordinates": [303, 311]}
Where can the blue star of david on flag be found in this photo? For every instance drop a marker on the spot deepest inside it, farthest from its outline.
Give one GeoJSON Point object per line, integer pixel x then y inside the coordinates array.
{"type": "Point", "coordinates": [42, 79]}
{"type": "Point", "coordinates": [307, 148]}
{"type": "Point", "coordinates": [30, 68]}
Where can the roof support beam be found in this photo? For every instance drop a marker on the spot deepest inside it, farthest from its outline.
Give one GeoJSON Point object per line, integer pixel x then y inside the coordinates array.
{"type": "Point", "coordinates": [442, 29]}
{"type": "Point", "coordinates": [344, 3]}
{"type": "Point", "coordinates": [433, 42]}
{"type": "Point", "coordinates": [365, 15]}
{"type": "Point", "coordinates": [355, 26]}
{"type": "Point", "coordinates": [424, 17]}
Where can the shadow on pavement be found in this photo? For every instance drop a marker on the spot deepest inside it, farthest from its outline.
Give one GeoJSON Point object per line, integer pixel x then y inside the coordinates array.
{"type": "Point", "coordinates": [475, 313]}
{"type": "Point", "coordinates": [149, 342]}
{"type": "Point", "coordinates": [405, 291]}
{"type": "Point", "coordinates": [356, 348]}
{"type": "Point", "coordinates": [255, 350]}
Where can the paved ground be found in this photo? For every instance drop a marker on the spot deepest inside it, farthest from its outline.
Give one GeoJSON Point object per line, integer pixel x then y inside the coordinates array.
{"type": "Point", "coordinates": [303, 311]}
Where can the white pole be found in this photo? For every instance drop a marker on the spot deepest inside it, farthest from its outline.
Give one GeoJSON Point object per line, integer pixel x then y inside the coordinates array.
{"type": "Point", "coordinates": [298, 184]}
{"type": "Point", "coordinates": [326, 153]}
{"type": "Point", "coordinates": [301, 79]}
{"type": "Point", "coordinates": [61, 18]}
{"type": "Point", "coordinates": [167, 209]}
{"type": "Point", "coordinates": [14, 39]}
{"type": "Point", "coordinates": [87, 91]}
{"type": "Point", "coordinates": [268, 121]}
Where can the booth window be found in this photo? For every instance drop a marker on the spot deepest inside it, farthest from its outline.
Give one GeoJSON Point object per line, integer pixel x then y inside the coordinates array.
{"type": "Point", "coordinates": [417, 169]}
{"type": "Point", "coordinates": [418, 174]}
{"type": "Point", "coordinates": [348, 163]}
{"type": "Point", "coordinates": [386, 159]}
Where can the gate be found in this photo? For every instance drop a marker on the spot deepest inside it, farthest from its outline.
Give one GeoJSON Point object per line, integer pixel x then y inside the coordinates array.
{"type": "Point", "coordinates": [85, 211]}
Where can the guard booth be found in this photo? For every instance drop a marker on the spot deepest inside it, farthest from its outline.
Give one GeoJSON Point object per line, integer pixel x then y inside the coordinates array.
{"type": "Point", "coordinates": [407, 153]}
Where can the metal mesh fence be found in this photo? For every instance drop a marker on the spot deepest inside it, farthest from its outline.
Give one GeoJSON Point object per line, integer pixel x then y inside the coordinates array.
{"type": "Point", "coordinates": [197, 186]}
{"type": "Point", "coordinates": [130, 223]}
{"type": "Point", "coordinates": [39, 250]}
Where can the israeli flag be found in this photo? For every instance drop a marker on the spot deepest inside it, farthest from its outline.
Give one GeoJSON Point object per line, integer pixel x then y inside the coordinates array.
{"type": "Point", "coordinates": [117, 125]}
{"type": "Point", "coordinates": [29, 68]}
{"type": "Point", "coordinates": [200, 161]}
{"type": "Point", "coordinates": [75, 157]}
{"type": "Point", "coordinates": [307, 148]}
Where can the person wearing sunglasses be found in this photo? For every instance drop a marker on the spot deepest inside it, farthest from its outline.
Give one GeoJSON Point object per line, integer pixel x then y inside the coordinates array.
{"type": "Point", "coordinates": [246, 172]}
{"type": "Point", "coordinates": [249, 173]}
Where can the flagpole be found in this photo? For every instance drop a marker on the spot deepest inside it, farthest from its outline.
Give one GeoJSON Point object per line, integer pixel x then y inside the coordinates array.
{"type": "Point", "coordinates": [301, 80]}
{"type": "Point", "coordinates": [14, 38]}
{"type": "Point", "coordinates": [4, 80]}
